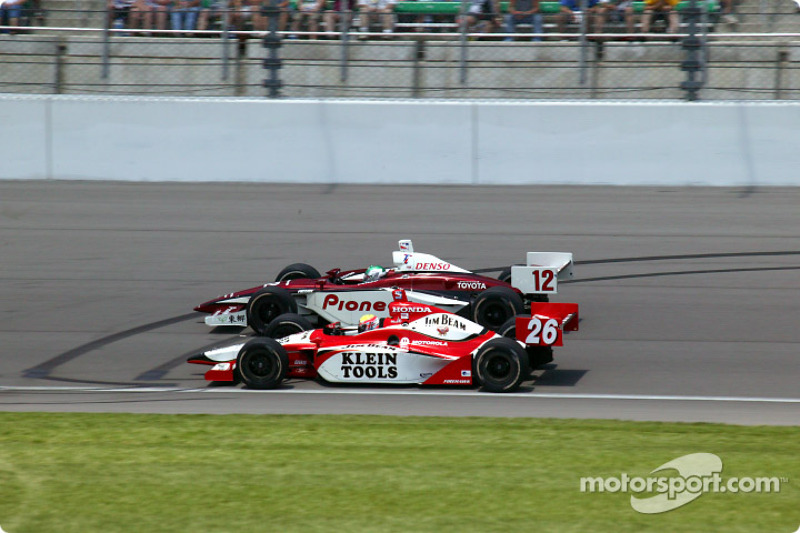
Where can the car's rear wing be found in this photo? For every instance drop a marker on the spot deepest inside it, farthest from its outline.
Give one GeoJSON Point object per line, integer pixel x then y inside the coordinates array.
{"type": "Point", "coordinates": [547, 323]}
{"type": "Point", "coordinates": [542, 272]}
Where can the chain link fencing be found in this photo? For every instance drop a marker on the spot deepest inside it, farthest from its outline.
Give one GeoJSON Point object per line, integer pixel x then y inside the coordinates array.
{"type": "Point", "coordinates": [425, 56]}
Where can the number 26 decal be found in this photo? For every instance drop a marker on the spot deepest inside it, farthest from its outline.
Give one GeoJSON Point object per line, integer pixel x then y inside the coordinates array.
{"type": "Point", "coordinates": [542, 333]}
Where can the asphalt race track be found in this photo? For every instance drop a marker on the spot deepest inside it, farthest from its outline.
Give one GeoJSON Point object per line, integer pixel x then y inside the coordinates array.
{"type": "Point", "coordinates": [689, 298]}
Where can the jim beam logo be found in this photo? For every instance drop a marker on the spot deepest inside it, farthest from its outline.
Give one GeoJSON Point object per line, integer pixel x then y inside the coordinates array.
{"type": "Point", "coordinates": [445, 321]}
{"type": "Point", "coordinates": [358, 365]}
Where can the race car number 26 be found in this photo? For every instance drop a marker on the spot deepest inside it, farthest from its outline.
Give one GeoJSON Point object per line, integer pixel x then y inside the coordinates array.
{"type": "Point", "coordinates": [542, 332]}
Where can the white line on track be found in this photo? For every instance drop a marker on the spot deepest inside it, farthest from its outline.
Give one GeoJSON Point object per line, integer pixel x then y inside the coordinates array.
{"type": "Point", "coordinates": [383, 392]}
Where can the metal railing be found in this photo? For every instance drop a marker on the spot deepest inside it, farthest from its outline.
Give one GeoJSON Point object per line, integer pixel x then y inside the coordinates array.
{"type": "Point", "coordinates": [423, 59]}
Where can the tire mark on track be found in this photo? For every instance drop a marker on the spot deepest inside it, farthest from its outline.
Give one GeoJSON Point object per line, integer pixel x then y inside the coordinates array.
{"type": "Point", "coordinates": [155, 374]}
{"type": "Point", "coordinates": [43, 370]}
{"type": "Point", "coordinates": [663, 258]}
{"type": "Point", "coordinates": [682, 273]}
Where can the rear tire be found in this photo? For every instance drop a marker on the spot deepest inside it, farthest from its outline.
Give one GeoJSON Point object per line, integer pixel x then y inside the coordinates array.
{"type": "Point", "coordinates": [537, 355]}
{"type": "Point", "coordinates": [266, 305]}
{"type": "Point", "coordinates": [297, 271]}
{"type": "Point", "coordinates": [494, 306]}
{"type": "Point", "coordinates": [505, 275]}
{"type": "Point", "coordinates": [501, 365]}
{"type": "Point", "coordinates": [287, 324]}
{"type": "Point", "coordinates": [262, 363]}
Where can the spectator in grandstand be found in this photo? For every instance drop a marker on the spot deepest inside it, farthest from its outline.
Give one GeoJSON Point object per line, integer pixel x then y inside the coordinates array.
{"type": "Point", "coordinates": [119, 13]}
{"type": "Point", "coordinates": [261, 21]}
{"type": "Point", "coordinates": [161, 9]}
{"type": "Point", "coordinates": [309, 10]}
{"type": "Point", "coordinates": [341, 10]}
{"type": "Point", "coordinates": [240, 15]}
{"type": "Point", "coordinates": [381, 9]}
{"type": "Point", "coordinates": [484, 14]}
{"type": "Point", "coordinates": [184, 15]}
{"type": "Point", "coordinates": [523, 12]}
{"type": "Point", "coordinates": [663, 8]}
{"type": "Point", "coordinates": [727, 12]}
{"type": "Point", "coordinates": [570, 11]}
{"type": "Point", "coordinates": [10, 12]}
{"type": "Point", "coordinates": [615, 10]}
{"type": "Point", "coordinates": [141, 15]}
{"type": "Point", "coordinates": [210, 12]}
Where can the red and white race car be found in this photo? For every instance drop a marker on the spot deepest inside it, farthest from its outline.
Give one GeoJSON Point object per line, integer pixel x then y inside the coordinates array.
{"type": "Point", "coordinates": [345, 296]}
{"type": "Point", "coordinates": [415, 344]}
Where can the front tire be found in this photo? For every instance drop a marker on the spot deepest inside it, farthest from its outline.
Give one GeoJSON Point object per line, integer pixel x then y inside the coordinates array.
{"type": "Point", "coordinates": [262, 363]}
{"type": "Point", "coordinates": [287, 324]}
{"type": "Point", "coordinates": [493, 307]}
{"type": "Point", "coordinates": [501, 365]}
{"type": "Point", "coordinates": [297, 271]}
{"type": "Point", "coordinates": [266, 305]}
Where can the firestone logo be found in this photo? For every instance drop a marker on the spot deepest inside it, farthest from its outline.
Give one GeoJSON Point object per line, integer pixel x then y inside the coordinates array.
{"type": "Point", "coordinates": [698, 473]}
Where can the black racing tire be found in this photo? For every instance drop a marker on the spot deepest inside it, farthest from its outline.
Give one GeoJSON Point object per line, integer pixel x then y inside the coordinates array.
{"type": "Point", "coordinates": [287, 324]}
{"type": "Point", "coordinates": [266, 305]}
{"type": "Point", "coordinates": [509, 328]}
{"type": "Point", "coordinates": [501, 365]}
{"type": "Point", "coordinates": [494, 306]}
{"type": "Point", "coordinates": [297, 271]}
{"type": "Point", "coordinates": [505, 275]}
{"type": "Point", "coordinates": [262, 363]}
{"type": "Point", "coordinates": [537, 355]}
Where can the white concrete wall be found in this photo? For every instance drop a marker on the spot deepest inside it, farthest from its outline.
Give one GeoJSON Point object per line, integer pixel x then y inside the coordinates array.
{"type": "Point", "coordinates": [421, 142]}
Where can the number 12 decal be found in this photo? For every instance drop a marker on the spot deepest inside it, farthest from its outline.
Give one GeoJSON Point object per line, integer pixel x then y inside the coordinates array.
{"type": "Point", "coordinates": [542, 333]}
{"type": "Point", "coordinates": [543, 280]}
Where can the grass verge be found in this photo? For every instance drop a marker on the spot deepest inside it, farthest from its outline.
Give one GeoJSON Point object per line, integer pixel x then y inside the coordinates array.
{"type": "Point", "coordinates": [152, 473]}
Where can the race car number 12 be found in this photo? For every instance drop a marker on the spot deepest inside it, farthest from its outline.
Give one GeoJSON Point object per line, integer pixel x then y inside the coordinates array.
{"type": "Point", "coordinates": [543, 280]}
{"type": "Point", "coordinates": [547, 331]}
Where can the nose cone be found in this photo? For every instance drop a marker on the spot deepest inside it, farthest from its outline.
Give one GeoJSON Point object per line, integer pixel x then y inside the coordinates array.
{"type": "Point", "coordinates": [207, 307]}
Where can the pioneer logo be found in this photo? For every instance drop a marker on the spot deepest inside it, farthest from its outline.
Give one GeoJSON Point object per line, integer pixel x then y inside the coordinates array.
{"type": "Point", "coordinates": [334, 302]}
{"type": "Point", "coordinates": [474, 285]}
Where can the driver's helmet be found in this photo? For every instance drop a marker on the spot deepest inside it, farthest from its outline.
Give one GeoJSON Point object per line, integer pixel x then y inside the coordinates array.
{"type": "Point", "coordinates": [373, 273]}
{"type": "Point", "coordinates": [367, 323]}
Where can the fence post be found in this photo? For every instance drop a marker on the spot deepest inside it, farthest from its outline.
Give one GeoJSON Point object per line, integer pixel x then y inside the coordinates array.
{"type": "Point", "coordinates": [463, 42]}
{"type": "Point", "coordinates": [345, 15]}
{"type": "Point", "coordinates": [693, 64]}
{"type": "Point", "coordinates": [272, 42]}
{"type": "Point", "coordinates": [61, 49]}
{"type": "Point", "coordinates": [225, 44]}
{"type": "Point", "coordinates": [582, 66]}
{"type": "Point", "coordinates": [106, 44]}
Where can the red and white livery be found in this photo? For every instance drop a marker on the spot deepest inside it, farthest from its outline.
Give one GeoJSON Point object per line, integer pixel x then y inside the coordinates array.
{"type": "Point", "coordinates": [343, 296]}
{"type": "Point", "coordinates": [415, 344]}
